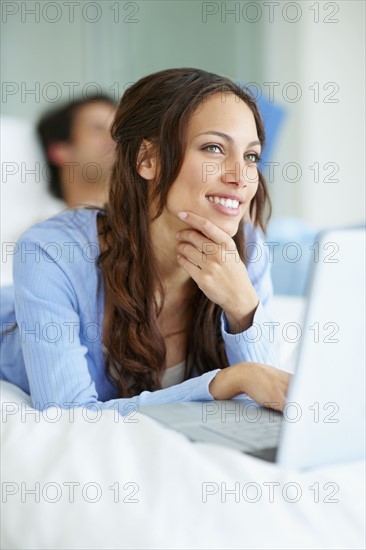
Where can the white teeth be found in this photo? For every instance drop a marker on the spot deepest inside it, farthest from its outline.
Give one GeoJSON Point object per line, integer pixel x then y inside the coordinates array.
{"type": "Point", "coordinates": [228, 203]}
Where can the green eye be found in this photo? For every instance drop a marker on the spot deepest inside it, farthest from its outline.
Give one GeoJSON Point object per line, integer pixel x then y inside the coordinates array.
{"type": "Point", "coordinates": [252, 157]}
{"type": "Point", "coordinates": [211, 148]}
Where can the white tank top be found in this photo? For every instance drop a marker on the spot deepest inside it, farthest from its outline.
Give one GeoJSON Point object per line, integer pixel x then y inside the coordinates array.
{"type": "Point", "coordinates": [172, 376]}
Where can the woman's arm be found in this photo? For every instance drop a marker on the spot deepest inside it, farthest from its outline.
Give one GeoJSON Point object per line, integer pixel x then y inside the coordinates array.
{"type": "Point", "coordinates": [258, 342]}
{"type": "Point", "coordinates": [49, 310]}
{"type": "Point", "coordinates": [253, 352]}
{"type": "Point", "coordinates": [210, 257]}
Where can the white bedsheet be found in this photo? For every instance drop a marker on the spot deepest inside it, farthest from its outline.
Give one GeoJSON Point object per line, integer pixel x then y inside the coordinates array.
{"type": "Point", "coordinates": [178, 486]}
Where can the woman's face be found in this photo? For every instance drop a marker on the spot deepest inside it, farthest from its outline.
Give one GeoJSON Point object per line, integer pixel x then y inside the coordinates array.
{"type": "Point", "coordinates": [220, 163]}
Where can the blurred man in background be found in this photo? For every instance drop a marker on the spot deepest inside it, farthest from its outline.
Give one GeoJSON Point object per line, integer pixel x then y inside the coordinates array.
{"type": "Point", "coordinates": [79, 150]}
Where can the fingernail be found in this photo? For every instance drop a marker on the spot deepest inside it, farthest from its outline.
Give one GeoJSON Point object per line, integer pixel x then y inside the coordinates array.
{"type": "Point", "coordinates": [182, 215]}
{"type": "Point", "coordinates": [177, 235]}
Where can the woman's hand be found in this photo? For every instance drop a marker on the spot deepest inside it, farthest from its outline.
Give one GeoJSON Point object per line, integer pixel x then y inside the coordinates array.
{"type": "Point", "coordinates": [264, 384]}
{"type": "Point", "coordinates": [210, 257]}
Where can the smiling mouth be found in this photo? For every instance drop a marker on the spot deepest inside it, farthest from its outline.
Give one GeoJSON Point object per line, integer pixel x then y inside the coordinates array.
{"type": "Point", "coordinates": [227, 203]}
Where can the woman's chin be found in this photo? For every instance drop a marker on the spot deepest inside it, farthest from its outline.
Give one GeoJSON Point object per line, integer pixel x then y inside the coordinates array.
{"type": "Point", "coordinates": [228, 223]}
{"type": "Point", "coordinates": [229, 227]}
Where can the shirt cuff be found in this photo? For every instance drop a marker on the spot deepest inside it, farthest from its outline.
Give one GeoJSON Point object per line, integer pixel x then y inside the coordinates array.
{"type": "Point", "coordinates": [256, 344]}
{"type": "Point", "coordinates": [194, 389]}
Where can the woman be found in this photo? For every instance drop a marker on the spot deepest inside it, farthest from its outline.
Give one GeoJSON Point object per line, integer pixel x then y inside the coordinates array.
{"type": "Point", "coordinates": [156, 298]}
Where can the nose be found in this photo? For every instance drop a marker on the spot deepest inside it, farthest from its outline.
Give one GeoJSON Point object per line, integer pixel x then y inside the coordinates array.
{"type": "Point", "coordinates": [108, 128]}
{"type": "Point", "coordinates": [109, 142]}
{"type": "Point", "coordinates": [108, 139]}
{"type": "Point", "coordinates": [239, 172]}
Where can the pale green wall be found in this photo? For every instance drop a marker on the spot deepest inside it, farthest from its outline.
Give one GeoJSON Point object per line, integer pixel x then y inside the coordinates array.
{"type": "Point", "coordinates": [167, 34]}
{"type": "Point", "coordinates": [172, 34]}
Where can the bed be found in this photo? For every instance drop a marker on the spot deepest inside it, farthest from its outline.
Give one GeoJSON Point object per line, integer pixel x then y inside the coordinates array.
{"type": "Point", "coordinates": [80, 479]}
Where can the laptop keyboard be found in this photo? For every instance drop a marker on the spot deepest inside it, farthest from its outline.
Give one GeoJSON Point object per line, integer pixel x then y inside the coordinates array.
{"type": "Point", "coordinates": [252, 434]}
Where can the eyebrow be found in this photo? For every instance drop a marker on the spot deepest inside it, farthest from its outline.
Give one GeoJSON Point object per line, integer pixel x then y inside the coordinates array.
{"type": "Point", "coordinates": [226, 137]}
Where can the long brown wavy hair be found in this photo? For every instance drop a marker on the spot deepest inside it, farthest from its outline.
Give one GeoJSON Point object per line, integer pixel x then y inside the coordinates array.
{"type": "Point", "coordinates": [158, 108]}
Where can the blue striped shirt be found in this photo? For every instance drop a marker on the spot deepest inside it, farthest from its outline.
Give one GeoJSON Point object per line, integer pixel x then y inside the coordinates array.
{"type": "Point", "coordinates": [56, 354]}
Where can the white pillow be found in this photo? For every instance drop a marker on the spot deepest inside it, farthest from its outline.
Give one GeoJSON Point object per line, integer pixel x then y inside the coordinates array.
{"type": "Point", "coordinates": [25, 198]}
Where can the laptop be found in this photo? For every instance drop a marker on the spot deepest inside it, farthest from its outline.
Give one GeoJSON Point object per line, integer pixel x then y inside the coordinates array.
{"type": "Point", "coordinates": [323, 421]}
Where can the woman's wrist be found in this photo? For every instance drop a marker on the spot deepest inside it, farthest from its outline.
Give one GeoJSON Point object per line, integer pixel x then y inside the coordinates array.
{"type": "Point", "coordinates": [228, 382]}
{"type": "Point", "coordinates": [242, 318]}
{"type": "Point", "coordinates": [263, 383]}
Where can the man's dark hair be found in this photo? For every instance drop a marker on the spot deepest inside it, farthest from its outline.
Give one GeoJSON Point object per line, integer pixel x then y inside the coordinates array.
{"type": "Point", "coordinates": [55, 126]}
